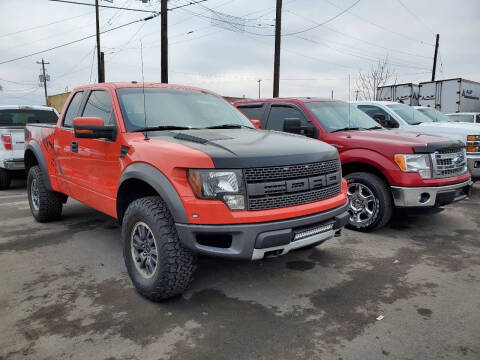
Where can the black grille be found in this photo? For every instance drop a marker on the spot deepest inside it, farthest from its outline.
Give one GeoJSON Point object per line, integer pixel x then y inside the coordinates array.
{"type": "Point", "coordinates": [290, 172]}
{"type": "Point", "coordinates": [282, 186]}
{"type": "Point", "coordinates": [272, 202]}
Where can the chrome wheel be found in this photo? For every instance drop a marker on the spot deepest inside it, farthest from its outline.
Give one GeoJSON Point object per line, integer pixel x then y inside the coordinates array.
{"type": "Point", "coordinates": [144, 249]}
{"type": "Point", "coordinates": [363, 204]}
{"type": "Point", "coordinates": [35, 195]}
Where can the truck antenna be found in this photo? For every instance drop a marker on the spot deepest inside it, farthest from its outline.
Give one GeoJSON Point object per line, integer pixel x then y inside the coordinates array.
{"type": "Point", "coordinates": [349, 100]}
{"type": "Point", "coordinates": [143, 92]}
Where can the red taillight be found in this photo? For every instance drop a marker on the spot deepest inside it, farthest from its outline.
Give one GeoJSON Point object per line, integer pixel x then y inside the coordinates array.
{"type": "Point", "coordinates": [7, 142]}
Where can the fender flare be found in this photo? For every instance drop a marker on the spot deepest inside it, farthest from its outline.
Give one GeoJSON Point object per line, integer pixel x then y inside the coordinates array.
{"type": "Point", "coordinates": [158, 181]}
{"type": "Point", "coordinates": [35, 148]}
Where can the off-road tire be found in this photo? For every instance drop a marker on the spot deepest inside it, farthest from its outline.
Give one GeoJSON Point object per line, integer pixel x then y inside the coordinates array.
{"type": "Point", "coordinates": [5, 179]}
{"type": "Point", "coordinates": [50, 202]}
{"type": "Point", "coordinates": [383, 197]}
{"type": "Point", "coordinates": [175, 263]}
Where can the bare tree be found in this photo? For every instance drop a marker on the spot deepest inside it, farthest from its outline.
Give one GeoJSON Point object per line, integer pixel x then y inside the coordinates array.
{"type": "Point", "coordinates": [378, 75]}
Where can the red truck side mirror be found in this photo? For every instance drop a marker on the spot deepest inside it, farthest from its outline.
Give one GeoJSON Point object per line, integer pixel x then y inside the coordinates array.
{"type": "Point", "coordinates": [93, 128]}
{"type": "Point", "coordinates": [256, 123]}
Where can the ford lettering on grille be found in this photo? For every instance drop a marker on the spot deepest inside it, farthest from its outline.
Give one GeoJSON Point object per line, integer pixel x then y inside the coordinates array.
{"type": "Point", "coordinates": [276, 187]}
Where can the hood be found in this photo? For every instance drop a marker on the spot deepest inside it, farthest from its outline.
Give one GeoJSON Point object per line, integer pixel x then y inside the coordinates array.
{"type": "Point", "coordinates": [458, 125]}
{"type": "Point", "coordinates": [455, 131]}
{"type": "Point", "coordinates": [390, 142]}
{"type": "Point", "coordinates": [246, 148]}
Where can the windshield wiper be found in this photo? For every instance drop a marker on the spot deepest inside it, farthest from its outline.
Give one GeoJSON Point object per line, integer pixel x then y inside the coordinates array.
{"type": "Point", "coordinates": [163, 127]}
{"type": "Point", "coordinates": [374, 128]}
{"type": "Point", "coordinates": [345, 129]}
{"type": "Point", "coordinates": [228, 126]}
{"type": "Point", "coordinates": [416, 123]}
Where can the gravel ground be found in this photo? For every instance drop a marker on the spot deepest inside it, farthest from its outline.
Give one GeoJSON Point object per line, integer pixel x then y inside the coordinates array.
{"type": "Point", "coordinates": [64, 293]}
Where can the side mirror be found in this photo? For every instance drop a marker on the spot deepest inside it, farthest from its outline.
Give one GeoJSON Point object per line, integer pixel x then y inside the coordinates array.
{"type": "Point", "coordinates": [256, 123]}
{"type": "Point", "coordinates": [93, 128]}
{"type": "Point", "coordinates": [295, 126]}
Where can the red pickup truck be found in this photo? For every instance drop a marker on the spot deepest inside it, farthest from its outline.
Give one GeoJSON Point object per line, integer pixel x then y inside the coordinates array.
{"type": "Point", "coordinates": [384, 168]}
{"type": "Point", "coordinates": [184, 172]}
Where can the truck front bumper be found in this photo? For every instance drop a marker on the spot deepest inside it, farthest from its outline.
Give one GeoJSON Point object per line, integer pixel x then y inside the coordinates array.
{"type": "Point", "coordinates": [258, 240]}
{"type": "Point", "coordinates": [473, 163]}
{"type": "Point", "coordinates": [12, 164]}
{"type": "Point", "coordinates": [434, 196]}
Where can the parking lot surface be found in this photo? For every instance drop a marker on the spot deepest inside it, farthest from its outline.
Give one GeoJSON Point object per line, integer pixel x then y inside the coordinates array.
{"type": "Point", "coordinates": [408, 291]}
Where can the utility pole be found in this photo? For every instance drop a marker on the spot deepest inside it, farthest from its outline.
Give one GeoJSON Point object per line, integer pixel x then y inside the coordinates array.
{"type": "Point", "coordinates": [278, 35]}
{"type": "Point", "coordinates": [101, 74]}
{"type": "Point", "coordinates": [259, 81]}
{"type": "Point", "coordinates": [164, 42]}
{"type": "Point", "coordinates": [435, 57]}
{"type": "Point", "coordinates": [44, 78]}
{"type": "Point", "coordinates": [332, 94]}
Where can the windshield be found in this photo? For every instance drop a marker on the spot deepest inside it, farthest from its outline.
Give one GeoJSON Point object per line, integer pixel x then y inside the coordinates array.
{"type": "Point", "coordinates": [166, 107]}
{"type": "Point", "coordinates": [461, 118]}
{"type": "Point", "coordinates": [435, 115]}
{"type": "Point", "coordinates": [334, 115]}
{"type": "Point", "coordinates": [21, 117]}
{"type": "Point", "coordinates": [409, 114]}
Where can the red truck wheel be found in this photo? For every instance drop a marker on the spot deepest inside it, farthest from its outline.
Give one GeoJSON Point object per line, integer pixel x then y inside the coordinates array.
{"type": "Point", "coordinates": [45, 205]}
{"type": "Point", "coordinates": [5, 179]}
{"type": "Point", "coordinates": [370, 205]}
{"type": "Point", "coordinates": [158, 264]}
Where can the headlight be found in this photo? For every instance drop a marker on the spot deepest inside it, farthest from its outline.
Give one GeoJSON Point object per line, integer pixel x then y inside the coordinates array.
{"type": "Point", "coordinates": [419, 163]}
{"type": "Point", "coordinates": [473, 143]}
{"type": "Point", "coordinates": [225, 185]}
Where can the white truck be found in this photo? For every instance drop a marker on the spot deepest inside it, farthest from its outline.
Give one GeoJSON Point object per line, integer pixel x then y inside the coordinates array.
{"type": "Point", "coordinates": [451, 96]}
{"type": "Point", "coordinates": [393, 115]}
{"type": "Point", "coordinates": [13, 119]}
{"type": "Point", "coordinates": [402, 93]}
{"type": "Point", "coordinates": [468, 117]}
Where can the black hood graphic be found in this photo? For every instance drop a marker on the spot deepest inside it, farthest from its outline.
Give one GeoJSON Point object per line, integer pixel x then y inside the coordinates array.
{"type": "Point", "coordinates": [246, 148]}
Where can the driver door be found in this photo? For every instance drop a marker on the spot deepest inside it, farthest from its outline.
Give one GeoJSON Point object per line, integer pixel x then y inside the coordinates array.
{"type": "Point", "coordinates": [97, 165]}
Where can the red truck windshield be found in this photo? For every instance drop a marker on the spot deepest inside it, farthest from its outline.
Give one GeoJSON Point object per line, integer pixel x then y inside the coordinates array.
{"type": "Point", "coordinates": [21, 117]}
{"type": "Point", "coordinates": [336, 115]}
{"type": "Point", "coordinates": [176, 107]}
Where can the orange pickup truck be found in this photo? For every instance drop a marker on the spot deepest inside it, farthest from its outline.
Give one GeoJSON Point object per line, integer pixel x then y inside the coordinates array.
{"type": "Point", "coordinates": [184, 172]}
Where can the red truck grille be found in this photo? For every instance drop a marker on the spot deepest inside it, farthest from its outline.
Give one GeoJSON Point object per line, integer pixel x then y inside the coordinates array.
{"type": "Point", "coordinates": [449, 162]}
{"type": "Point", "coordinates": [282, 186]}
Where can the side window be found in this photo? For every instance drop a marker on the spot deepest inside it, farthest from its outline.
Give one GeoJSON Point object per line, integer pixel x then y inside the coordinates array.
{"type": "Point", "coordinates": [278, 115]}
{"type": "Point", "coordinates": [72, 109]}
{"type": "Point", "coordinates": [379, 115]}
{"type": "Point", "coordinates": [252, 112]}
{"type": "Point", "coordinates": [100, 105]}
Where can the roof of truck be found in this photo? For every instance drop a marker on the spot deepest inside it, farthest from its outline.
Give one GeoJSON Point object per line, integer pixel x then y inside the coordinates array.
{"type": "Point", "coordinates": [375, 102]}
{"type": "Point", "coordinates": [464, 113]}
{"type": "Point", "coordinates": [139, 84]}
{"type": "Point", "coordinates": [285, 99]}
{"type": "Point", "coordinates": [26, 107]}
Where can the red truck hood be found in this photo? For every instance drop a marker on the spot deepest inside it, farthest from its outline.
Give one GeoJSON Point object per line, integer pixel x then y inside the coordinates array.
{"type": "Point", "coordinates": [385, 141]}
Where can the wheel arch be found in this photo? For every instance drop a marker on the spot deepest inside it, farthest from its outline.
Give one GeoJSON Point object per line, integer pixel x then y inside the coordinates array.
{"type": "Point", "coordinates": [139, 180]}
{"type": "Point", "coordinates": [358, 166]}
{"type": "Point", "coordinates": [34, 156]}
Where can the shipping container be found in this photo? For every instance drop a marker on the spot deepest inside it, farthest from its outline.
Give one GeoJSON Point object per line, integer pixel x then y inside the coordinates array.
{"type": "Point", "coordinates": [451, 96]}
{"type": "Point", "coordinates": [402, 93]}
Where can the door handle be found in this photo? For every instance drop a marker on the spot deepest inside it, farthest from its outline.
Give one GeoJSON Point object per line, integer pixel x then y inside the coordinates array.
{"type": "Point", "coordinates": [74, 146]}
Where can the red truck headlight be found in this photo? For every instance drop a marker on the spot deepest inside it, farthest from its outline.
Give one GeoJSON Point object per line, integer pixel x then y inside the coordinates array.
{"type": "Point", "coordinates": [225, 185]}
{"type": "Point", "coordinates": [419, 163]}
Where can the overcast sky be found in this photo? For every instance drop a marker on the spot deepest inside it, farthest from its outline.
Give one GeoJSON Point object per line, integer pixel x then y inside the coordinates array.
{"type": "Point", "coordinates": [230, 59]}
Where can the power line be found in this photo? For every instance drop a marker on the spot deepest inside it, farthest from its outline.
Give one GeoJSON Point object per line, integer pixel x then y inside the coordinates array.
{"type": "Point", "coordinates": [105, 6]}
{"type": "Point", "coordinates": [380, 26]}
{"type": "Point", "coordinates": [358, 39]}
{"type": "Point", "coordinates": [416, 17]}
{"type": "Point", "coordinates": [78, 40]}
{"type": "Point", "coordinates": [44, 25]}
